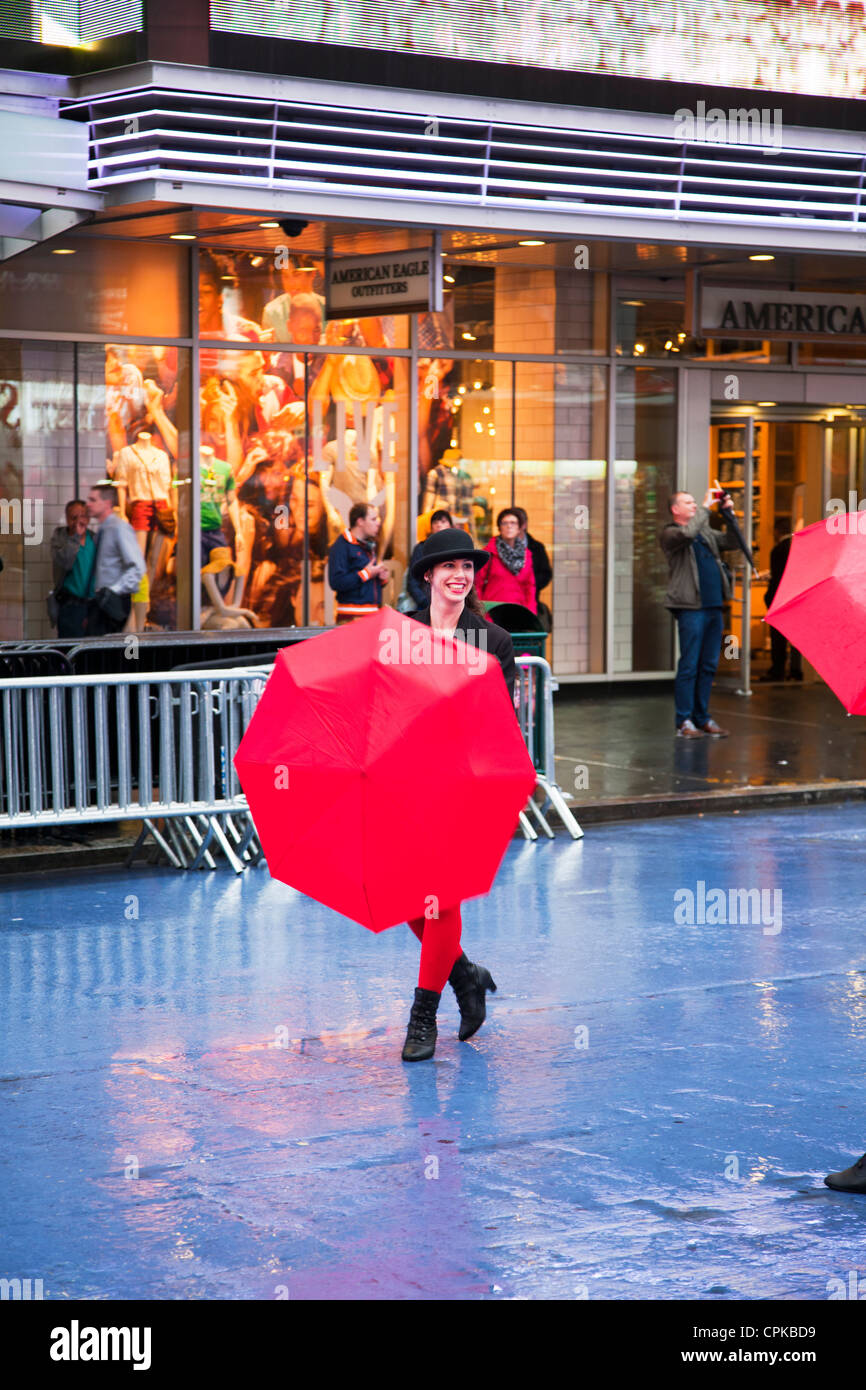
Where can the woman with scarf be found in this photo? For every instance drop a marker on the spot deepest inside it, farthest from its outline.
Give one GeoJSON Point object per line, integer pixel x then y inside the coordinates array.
{"type": "Point", "coordinates": [509, 577]}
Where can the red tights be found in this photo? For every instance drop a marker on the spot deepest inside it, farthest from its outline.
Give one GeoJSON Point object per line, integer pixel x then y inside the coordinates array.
{"type": "Point", "coordinates": [440, 947]}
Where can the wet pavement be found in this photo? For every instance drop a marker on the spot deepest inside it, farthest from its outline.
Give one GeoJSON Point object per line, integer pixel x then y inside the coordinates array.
{"type": "Point", "coordinates": [619, 745]}
{"type": "Point", "coordinates": [201, 1093]}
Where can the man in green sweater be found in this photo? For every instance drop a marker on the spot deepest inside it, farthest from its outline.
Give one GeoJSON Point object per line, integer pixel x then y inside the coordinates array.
{"type": "Point", "coordinates": [73, 555]}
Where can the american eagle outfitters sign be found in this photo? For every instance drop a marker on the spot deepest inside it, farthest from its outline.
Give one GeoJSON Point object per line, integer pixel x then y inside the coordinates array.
{"type": "Point", "coordinates": [728, 312]}
{"type": "Point", "coordinates": [398, 282]}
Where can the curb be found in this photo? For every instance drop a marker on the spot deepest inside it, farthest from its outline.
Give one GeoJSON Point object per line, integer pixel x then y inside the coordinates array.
{"type": "Point", "coordinates": [717, 803]}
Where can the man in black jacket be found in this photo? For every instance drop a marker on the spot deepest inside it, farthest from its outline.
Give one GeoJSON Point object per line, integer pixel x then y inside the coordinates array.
{"type": "Point", "coordinates": [778, 641]}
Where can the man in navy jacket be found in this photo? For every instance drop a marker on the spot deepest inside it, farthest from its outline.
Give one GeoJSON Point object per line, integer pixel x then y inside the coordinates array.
{"type": "Point", "coordinates": [353, 571]}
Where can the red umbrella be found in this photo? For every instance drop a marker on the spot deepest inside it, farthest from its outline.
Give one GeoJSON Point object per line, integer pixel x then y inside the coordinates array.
{"type": "Point", "coordinates": [820, 604]}
{"type": "Point", "coordinates": [385, 770]}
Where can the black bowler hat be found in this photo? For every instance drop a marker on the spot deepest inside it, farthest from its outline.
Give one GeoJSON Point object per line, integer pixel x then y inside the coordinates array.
{"type": "Point", "coordinates": [448, 544]}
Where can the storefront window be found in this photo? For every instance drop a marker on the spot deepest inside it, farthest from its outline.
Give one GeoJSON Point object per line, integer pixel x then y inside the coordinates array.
{"type": "Point", "coordinates": [810, 354]}
{"type": "Point", "coordinates": [290, 442]}
{"type": "Point", "coordinates": [560, 475]}
{"type": "Point", "coordinates": [134, 430]}
{"type": "Point", "coordinates": [465, 423]}
{"type": "Point", "coordinates": [738, 350]}
{"type": "Point", "coordinates": [648, 327]}
{"type": "Point", "coordinates": [97, 286]}
{"type": "Point", "coordinates": [37, 476]}
{"type": "Point", "coordinates": [274, 297]}
{"type": "Point", "coordinates": [645, 476]}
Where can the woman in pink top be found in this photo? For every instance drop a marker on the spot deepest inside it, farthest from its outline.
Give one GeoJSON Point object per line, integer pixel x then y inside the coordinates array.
{"type": "Point", "coordinates": [509, 577]}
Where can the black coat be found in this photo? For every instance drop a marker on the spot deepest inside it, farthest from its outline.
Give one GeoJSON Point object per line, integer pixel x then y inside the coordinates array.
{"type": "Point", "coordinates": [541, 565]}
{"type": "Point", "coordinates": [498, 640]}
{"type": "Point", "coordinates": [778, 560]}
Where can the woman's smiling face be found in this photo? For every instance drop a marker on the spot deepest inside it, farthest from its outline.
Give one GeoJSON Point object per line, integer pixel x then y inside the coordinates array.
{"type": "Point", "coordinates": [452, 579]}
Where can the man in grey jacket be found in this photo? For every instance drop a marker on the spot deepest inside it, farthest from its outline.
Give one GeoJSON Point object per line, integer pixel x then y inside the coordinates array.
{"type": "Point", "coordinates": [698, 590]}
{"type": "Point", "coordinates": [119, 565]}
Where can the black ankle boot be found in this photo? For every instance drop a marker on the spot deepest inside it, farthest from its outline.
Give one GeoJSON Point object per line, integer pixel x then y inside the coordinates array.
{"type": "Point", "coordinates": [851, 1179]}
{"type": "Point", "coordinates": [470, 983]}
{"type": "Point", "coordinates": [421, 1034]}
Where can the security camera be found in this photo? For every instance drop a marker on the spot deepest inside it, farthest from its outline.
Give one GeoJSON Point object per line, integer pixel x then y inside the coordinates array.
{"type": "Point", "coordinates": [293, 229]}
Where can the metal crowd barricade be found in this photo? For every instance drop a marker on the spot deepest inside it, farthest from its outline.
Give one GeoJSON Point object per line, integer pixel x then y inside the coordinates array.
{"type": "Point", "coordinates": [533, 699]}
{"type": "Point", "coordinates": [159, 747]}
{"type": "Point", "coordinates": [151, 747]}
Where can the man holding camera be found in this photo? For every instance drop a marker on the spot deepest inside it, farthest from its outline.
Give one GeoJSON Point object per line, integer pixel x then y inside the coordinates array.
{"type": "Point", "coordinates": [699, 588]}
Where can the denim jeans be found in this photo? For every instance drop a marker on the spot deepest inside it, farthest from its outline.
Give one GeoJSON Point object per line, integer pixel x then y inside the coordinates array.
{"type": "Point", "coordinates": [700, 632]}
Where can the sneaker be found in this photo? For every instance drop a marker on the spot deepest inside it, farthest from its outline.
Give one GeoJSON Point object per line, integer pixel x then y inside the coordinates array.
{"type": "Point", "coordinates": [688, 730]}
{"type": "Point", "coordinates": [851, 1179]}
{"type": "Point", "coordinates": [715, 730]}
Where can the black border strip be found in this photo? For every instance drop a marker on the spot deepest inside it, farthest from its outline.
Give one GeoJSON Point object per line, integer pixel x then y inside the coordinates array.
{"type": "Point", "coordinates": [285, 57]}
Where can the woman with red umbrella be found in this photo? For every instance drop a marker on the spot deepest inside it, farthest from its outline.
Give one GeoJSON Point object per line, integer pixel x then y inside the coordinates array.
{"type": "Point", "coordinates": [447, 566]}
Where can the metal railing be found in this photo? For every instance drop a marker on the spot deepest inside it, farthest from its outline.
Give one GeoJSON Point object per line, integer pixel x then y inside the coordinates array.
{"type": "Point", "coordinates": [79, 749]}
{"type": "Point", "coordinates": [533, 700]}
{"type": "Point", "coordinates": [160, 747]}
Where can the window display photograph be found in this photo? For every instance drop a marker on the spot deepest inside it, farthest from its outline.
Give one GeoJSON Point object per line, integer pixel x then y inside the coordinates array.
{"type": "Point", "coordinates": [283, 474]}
{"type": "Point", "coordinates": [144, 462]}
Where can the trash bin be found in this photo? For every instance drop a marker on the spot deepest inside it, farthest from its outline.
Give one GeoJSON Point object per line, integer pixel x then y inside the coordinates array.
{"type": "Point", "coordinates": [525, 627]}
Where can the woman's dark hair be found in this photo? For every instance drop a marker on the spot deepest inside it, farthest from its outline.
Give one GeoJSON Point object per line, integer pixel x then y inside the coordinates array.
{"type": "Point", "coordinates": [520, 513]}
{"type": "Point", "coordinates": [440, 515]}
{"type": "Point", "coordinates": [508, 511]}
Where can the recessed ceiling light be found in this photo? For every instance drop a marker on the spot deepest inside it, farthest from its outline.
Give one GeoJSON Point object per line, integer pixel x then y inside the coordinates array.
{"type": "Point", "coordinates": [269, 224]}
{"type": "Point", "coordinates": [532, 243]}
{"type": "Point", "coordinates": [470, 337]}
{"type": "Point", "coordinates": [762, 257]}
{"type": "Point", "coordinates": [767, 403]}
{"type": "Point", "coordinates": [634, 303]}
{"type": "Point", "coordinates": [257, 261]}
{"type": "Point", "coordinates": [63, 251]}
{"type": "Point", "coordinates": [227, 277]}
{"type": "Point", "coordinates": [449, 279]}
{"type": "Point", "coordinates": [182, 236]}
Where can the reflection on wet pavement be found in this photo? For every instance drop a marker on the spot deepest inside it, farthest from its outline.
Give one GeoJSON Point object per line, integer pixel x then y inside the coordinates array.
{"type": "Point", "coordinates": [202, 1094]}
{"type": "Point", "coordinates": [782, 735]}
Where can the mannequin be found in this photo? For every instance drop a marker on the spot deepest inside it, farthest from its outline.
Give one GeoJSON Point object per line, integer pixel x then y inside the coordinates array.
{"type": "Point", "coordinates": [143, 476]}
{"type": "Point", "coordinates": [217, 491]}
{"type": "Point", "coordinates": [218, 614]}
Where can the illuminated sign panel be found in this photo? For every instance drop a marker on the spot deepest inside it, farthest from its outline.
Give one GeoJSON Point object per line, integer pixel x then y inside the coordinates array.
{"type": "Point", "coordinates": [802, 47]}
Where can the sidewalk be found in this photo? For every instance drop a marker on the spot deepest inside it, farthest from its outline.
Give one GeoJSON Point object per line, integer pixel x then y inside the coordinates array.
{"type": "Point", "coordinates": [790, 744]}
